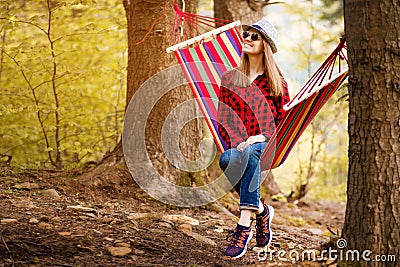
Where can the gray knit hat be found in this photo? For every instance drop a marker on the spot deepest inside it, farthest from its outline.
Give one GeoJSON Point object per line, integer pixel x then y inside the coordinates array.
{"type": "Point", "coordinates": [267, 30]}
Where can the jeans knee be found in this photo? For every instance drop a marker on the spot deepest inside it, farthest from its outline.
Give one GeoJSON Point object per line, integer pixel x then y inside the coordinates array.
{"type": "Point", "coordinates": [251, 151]}
{"type": "Point", "coordinates": [228, 158]}
{"type": "Point", "coordinates": [223, 161]}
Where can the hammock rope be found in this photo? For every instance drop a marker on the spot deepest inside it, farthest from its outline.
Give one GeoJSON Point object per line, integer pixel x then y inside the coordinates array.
{"type": "Point", "coordinates": [192, 25]}
{"type": "Point", "coordinates": [324, 72]}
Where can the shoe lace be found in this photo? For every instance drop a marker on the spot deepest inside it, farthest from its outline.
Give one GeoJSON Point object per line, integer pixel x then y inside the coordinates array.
{"type": "Point", "coordinates": [261, 222]}
{"type": "Point", "coordinates": [236, 238]}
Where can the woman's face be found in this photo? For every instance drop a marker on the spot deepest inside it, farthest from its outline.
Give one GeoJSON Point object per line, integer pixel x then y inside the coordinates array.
{"type": "Point", "coordinates": [252, 42]}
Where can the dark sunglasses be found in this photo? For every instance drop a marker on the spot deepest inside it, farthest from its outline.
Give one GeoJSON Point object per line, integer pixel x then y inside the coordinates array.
{"type": "Point", "coordinates": [254, 36]}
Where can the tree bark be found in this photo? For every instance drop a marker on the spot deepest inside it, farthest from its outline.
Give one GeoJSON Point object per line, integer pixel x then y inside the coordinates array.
{"type": "Point", "coordinates": [247, 11]}
{"type": "Point", "coordinates": [372, 219]}
{"type": "Point", "coordinates": [147, 56]}
{"type": "Point", "coordinates": [145, 60]}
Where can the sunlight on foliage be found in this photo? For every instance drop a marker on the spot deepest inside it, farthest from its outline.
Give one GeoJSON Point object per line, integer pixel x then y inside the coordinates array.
{"type": "Point", "coordinates": [309, 30]}
{"type": "Point", "coordinates": [62, 76]}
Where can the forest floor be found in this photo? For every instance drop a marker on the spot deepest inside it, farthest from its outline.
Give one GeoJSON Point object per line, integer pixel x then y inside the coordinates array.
{"type": "Point", "coordinates": [45, 220]}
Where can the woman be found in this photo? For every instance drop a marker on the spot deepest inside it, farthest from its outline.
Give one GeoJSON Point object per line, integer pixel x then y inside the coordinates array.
{"type": "Point", "coordinates": [250, 107]}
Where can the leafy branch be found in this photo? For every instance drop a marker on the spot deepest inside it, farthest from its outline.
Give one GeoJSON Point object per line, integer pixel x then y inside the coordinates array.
{"type": "Point", "coordinates": [73, 77]}
{"type": "Point", "coordinates": [58, 161]}
{"type": "Point", "coordinates": [36, 101]}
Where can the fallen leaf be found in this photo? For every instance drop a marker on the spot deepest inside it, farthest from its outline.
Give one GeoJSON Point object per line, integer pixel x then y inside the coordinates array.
{"type": "Point", "coordinates": [119, 251]}
{"type": "Point", "coordinates": [64, 233]}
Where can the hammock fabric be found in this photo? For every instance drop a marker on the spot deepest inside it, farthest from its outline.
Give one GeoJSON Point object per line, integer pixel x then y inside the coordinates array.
{"type": "Point", "coordinates": [203, 66]}
{"type": "Point", "coordinates": [206, 57]}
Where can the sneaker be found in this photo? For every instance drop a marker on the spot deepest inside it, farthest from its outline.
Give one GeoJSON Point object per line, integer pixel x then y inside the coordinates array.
{"type": "Point", "coordinates": [263, 227]}
{"type": "Point", "coordinates": [238, 244]}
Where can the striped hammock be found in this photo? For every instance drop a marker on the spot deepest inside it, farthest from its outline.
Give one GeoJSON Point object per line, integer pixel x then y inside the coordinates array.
{"type": "Point", "coordinates": [203, 66]}
{"type": "Point", "coordinates": [206, 57]}
{"type": "Point", "coordinates": [299, 113]}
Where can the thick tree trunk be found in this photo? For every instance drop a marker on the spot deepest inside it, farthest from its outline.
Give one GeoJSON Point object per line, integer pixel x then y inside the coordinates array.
{"type": "Point", "coordinates": [145, 60]}
{"type": "Point", "coordinates": [247, 11]}
{"type": "Point", "coordinates": [373, 212]}
{"type": "Point", "coordinates": [146, 57]}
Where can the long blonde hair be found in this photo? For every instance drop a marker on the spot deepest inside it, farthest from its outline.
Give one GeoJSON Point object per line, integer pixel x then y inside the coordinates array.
{"type": "Point", "coordinates": [270, 68]}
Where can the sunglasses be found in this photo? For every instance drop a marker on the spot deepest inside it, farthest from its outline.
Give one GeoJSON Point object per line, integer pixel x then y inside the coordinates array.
{"type": "Point", "coordinates": [254, 36]}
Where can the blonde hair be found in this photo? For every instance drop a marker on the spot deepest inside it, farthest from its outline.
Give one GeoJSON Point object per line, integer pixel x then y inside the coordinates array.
{"type": "Point", "coordinates": [270, 68]}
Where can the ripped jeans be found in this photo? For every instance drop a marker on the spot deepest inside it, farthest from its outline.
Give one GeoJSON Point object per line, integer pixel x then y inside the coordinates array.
{"type": "Point", "coordinates": [244, 173]}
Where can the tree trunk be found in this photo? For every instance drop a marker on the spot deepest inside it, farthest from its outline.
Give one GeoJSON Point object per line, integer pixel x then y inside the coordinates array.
{"type": "Point", "coordinates": [247, 11]}
{"type": "Point", "coordinates": [151, 56]}
{"type": "Point", "coordinates": [372, 219]}
{"type": "Point", "coordinates": [147, 56]}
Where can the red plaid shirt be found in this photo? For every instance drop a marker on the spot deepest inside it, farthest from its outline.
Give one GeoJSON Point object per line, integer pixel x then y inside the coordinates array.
{"type": "Point", "coordinates": [248, 111]}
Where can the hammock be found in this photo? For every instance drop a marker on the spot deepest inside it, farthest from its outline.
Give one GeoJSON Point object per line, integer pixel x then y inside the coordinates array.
{"type": "Point", "coordinates": [203, 59]}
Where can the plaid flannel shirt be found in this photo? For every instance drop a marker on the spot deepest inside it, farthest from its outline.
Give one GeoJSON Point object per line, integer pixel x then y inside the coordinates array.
{"type": "Point", "coordinates": [248, 111]}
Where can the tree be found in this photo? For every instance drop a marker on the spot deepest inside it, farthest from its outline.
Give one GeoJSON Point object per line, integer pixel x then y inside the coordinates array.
{"type": "Point", "coordinates": [244, 10]}
{"type": "Point", "coordinates": [373, 211]}
{"type": "Point", "coordinates": [149, 27]}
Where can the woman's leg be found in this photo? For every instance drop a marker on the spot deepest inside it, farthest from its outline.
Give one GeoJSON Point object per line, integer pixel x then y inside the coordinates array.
{"type": "Point", "coordinates": [251, 178]}
{"type": "Point", "coordinates": [245, 217]}
{"type": "Point", "coordinates": [230, 163]}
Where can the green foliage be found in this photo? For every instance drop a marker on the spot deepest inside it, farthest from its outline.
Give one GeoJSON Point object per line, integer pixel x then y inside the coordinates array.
{"type": "Point", "coordinates": [332, 10]}
{"type": "Point", "coordinates": [62, 80]}
{"type": "Point", "coordinates": [320, 157]}
{"type": "Point", "coordinates": [205, 8]}
{"type": "Point", "coordinates": [319, 27]}
{"type": "Point", "coordinates": [325, 192]}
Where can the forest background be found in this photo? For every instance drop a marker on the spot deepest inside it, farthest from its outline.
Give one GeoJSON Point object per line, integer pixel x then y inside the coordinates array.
{"type": "Point", "coordinates": [63, 87]}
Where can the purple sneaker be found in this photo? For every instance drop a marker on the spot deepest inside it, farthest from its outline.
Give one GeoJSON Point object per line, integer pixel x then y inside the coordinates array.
{"type": "Point", "coordinates": [238, 244]}
{"type": "Point", "coordinates": [263, 227]}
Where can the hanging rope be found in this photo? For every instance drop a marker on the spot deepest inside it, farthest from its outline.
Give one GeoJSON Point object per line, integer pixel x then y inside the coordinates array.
{"type": "Point", "coordinates": [327, 68]}
{"type": "Point", "coordinates": [183, 19]}
{"type": "Point", "coordinates": [153, 24]}
{"type": "Point", "coordinates": [186, 25]}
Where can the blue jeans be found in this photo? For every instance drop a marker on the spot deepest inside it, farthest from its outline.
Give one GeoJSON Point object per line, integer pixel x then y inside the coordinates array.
{"type": "Point", "coordinates": [244, 173]}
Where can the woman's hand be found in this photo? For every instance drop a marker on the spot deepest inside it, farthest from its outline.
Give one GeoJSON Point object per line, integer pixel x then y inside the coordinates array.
{"type": "Point", "coordinates": [251, 140]}
{"type": "Point", "coordinates": [242, 146]}
{"type": "Point", "coordinates": [256, 139]}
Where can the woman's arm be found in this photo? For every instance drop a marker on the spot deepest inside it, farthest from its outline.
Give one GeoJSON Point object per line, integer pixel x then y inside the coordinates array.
{"type": "Point", "coordinates": [282, 100]}
{"type": "Point", "coordinates": [226, 114]}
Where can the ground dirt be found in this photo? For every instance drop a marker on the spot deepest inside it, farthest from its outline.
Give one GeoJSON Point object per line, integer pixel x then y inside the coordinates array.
{"type": "Point", "coordinates": [40, 228]}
